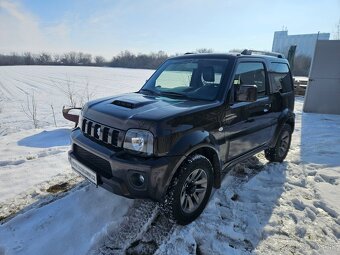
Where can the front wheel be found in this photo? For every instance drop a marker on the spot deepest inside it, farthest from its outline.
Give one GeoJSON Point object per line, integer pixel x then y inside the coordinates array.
{"type": "Point", "coordinates": [280, 151]}
{"type": "Point", "coordinates": [189, 190]}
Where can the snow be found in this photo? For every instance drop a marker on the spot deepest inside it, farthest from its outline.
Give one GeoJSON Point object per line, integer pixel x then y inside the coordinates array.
{"type": "Point", "coordinates": [261, 208]}
{"type": "Point", "coordinates": [66, 226]}
{"type": "Point", "coordinates": [50, 86]}
{"type": "Point", "coordinates": [288, 208]}
{"type": "Point", "coordinates": [32, 156]}
{"type": "Point", "coordinates": [27, 159]}
{"type": "Point", "coordinates": [33, 160]}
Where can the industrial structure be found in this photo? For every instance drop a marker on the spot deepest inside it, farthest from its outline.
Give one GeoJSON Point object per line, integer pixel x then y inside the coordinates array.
{"type": "Point", "coordinates": [305, 42]}
{"type": "Point", "coordinates": [323, 90]}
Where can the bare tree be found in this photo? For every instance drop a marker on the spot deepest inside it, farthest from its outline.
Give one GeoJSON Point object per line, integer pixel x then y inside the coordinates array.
{"type": "Point", "coordinates": [336, 35]}
{"type": "Point", "coordinates": [84, 59]}
{"type": "Point", "coordinates": [69, 91]}
{"type": "Point", "coordinates": [88, 94]}
{"type": "Point", "coordinates": [56, 59]}
{"type": "Point", "coordinates": [99, 60]}
{"type": "Point", "coordinates": [236, 50]}
{"type": "Point", "coordinates": [44, 59]}
{"type": "Point", "coordinates": [28, 58]}
{"type": "Point", "coordinates": [30, 109]}
{"type": "Point", "coordinates": [204, 50]}
{"type": "Point", "coordinates": [55, 122]}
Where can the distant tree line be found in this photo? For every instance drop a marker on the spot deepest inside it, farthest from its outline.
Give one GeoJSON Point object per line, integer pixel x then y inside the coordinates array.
{"type": "Point", "coordinates": [124, 59]}
{"type": "Point", "coordinates": [71, 59]}
{"type": "Point", "coordinates": [130, 60]}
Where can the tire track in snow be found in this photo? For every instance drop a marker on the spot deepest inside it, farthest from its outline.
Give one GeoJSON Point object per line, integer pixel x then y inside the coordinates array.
{"type": "Point", "coordinates": [31, 157]}
{"type": "Point", "coordinates": [233, 183]}
{"type": "Point", "coordinates": [5, 91]}
{"type": "Point", "coordinates": [135, 223]}
{"type": "Point", "coordinates": [145, 229]}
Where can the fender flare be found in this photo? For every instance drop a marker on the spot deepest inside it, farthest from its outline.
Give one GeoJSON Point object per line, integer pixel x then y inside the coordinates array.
{"type": "Point", "coordinates": [287, 116]}
{"type": "Point", "coordinates": [192, 142]}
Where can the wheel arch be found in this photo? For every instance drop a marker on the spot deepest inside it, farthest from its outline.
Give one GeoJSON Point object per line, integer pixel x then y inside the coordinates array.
{"type": "Point", "coordinates": [287, 117]}
{"type": "Point", "coordinates": [206, 150]}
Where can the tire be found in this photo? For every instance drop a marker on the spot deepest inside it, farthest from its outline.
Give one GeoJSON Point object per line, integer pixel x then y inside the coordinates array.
{"type": "Point", "coordinates": [280, 151]}
{"type": "Point", "coordinates": [185, 199]}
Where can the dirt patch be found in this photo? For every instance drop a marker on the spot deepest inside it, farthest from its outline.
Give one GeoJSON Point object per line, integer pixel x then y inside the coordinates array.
{"type": "Point", "coordinates": [61, 187]}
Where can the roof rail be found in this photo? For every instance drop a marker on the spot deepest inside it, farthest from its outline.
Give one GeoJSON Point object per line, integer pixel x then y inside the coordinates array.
{"type": "Point", "coordinates": [187, 53]}
{"type": "Point", "coordinates": [260, 52]}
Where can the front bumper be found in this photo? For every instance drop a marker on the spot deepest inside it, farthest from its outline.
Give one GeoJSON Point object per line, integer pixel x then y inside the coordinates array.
{"type": "Point", "coordinates": [115, 168]}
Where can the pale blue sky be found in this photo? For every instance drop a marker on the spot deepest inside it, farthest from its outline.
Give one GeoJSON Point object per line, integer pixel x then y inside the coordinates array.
{"type": "Point", "coordinates": [107, 27]}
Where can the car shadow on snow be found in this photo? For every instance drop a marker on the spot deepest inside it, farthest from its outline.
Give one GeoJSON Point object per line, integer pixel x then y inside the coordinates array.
{"type": "Point", "coordinates": [253, 190]}
{"type": "Point", "coordinates": [47, 139]}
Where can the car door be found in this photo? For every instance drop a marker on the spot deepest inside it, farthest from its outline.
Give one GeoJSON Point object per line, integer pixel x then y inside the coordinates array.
{"type": "Point", "coordinates": [249, 125]}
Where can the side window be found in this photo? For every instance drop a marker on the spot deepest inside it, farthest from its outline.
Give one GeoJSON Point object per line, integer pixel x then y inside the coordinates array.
{"type": "Point", "coordinates": [251, 73]}
{"type": "Point", "coordinates": [281, 78]}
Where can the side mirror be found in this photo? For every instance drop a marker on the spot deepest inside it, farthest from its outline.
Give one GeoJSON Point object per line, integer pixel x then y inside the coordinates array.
{"type": "Point", "coordinates": [246, 93]}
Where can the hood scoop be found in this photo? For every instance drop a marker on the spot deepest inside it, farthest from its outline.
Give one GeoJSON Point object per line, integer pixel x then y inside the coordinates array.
{"type": "Point", "coordinates": [131, 104]}
{"type": "Point", "coordinates": [124, 104]}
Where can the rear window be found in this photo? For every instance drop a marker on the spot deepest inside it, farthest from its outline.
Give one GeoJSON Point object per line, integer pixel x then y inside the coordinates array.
{"type": "Point", "coordinates": [281, 78]}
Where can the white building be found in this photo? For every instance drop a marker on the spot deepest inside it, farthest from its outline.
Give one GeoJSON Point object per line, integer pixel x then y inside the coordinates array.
{"type": "Point", "coordinates": [305, 43]}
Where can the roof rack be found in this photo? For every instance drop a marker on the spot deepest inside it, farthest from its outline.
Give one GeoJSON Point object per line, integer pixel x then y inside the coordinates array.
{"type": "Point", "coordinates": [260, 52]}
{"type": "Point", "coordinates": [187, 53]}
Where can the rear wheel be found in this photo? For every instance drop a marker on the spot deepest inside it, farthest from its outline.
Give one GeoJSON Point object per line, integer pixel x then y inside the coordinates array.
{"type": "Point", "coordinates": [189, 190]}
{"type": "Point", "coordinates": [280, 151]}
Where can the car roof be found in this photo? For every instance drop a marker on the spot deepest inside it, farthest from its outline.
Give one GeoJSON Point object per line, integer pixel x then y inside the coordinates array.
{"type": "Point", "coordinates": [269, 58]}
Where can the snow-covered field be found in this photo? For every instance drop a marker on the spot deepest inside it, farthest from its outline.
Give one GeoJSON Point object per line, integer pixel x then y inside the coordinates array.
{"type": "Point", "coordinates": [261, 208]}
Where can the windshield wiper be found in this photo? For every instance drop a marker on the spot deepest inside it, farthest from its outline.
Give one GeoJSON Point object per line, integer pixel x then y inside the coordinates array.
{"type": "Point", "coordinates": [176, 94]}
{"type": "Point", "coordinates": [150, 92]}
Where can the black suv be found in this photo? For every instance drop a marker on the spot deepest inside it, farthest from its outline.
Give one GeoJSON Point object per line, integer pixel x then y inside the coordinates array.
{"type": "Point", "coordinates": [196, 117]}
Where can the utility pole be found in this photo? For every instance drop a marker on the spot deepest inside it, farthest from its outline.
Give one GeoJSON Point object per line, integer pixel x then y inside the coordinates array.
{"type": "Point", "coordinates": [336, 35]}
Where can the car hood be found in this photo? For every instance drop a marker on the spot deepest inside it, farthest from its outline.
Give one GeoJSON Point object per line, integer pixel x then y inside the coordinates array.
{"type": "Point", "coordinates": [136, 110]}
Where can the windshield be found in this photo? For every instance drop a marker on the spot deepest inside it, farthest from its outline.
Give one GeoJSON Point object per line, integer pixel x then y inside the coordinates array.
{"type": "Point", "coordinates": [188, 78]}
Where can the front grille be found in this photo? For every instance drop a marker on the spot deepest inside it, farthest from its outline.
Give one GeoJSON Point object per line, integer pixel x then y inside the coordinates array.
{"type": "Point", "coordinates": [100, 132]}
{"type": "Point", "coordinates": [98, 164]}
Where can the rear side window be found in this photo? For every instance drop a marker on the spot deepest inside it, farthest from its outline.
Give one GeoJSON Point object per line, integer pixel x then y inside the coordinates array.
{"type": "Point", "coordinates": [281, 78]}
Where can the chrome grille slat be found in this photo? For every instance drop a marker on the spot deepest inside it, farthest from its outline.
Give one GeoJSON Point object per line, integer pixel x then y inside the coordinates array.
{"type": "Point", "coordinates": [110, 136]}
{"type": "Point", "coordinates": [92, 130]}
{"type": "Point", "coordinates": [101, 133]}
{"type": "Point", "coordinates": [107, 134]}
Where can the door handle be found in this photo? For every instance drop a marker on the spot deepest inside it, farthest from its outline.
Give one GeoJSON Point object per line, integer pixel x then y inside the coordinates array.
{"type": "Point", "coordinates": [229, 118]}
{"type": "Point", "coordinates": [267, 107]}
